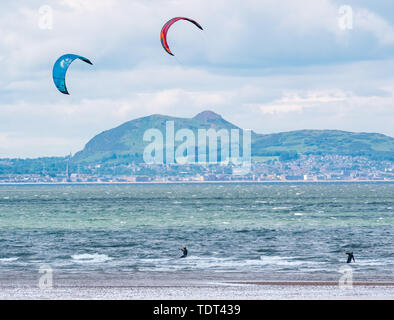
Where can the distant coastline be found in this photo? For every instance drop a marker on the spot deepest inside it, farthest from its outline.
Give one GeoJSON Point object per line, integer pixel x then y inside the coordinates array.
{"type": "Point", "coordinates": [194, 182]}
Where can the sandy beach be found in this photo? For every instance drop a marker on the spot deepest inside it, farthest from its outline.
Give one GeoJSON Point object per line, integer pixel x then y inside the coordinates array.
{"type": "Point", "coordinates": [209, 291]}
{"type": "Point", "coordinates": [183, 287]}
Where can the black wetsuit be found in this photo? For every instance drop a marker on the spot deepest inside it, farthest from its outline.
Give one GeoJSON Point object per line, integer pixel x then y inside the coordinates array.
{"type": "Point", "coordinates": [184, 250]}
{"type": "Point", "coordinates": [350, 257]}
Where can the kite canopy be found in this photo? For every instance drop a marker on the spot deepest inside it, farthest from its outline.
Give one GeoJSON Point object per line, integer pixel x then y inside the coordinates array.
{"type": "Point", "coordinates": [60, 68]}
{"type": "Point", "coordinates": [166, 27]}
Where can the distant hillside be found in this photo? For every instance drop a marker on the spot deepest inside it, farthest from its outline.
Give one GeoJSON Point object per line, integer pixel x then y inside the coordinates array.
{"type": "Point", "coordinates": [372, 145]}
{"type": "Point", "coordinates": [125, 142]}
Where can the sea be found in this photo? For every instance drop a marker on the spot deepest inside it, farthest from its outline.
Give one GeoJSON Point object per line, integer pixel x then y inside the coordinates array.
{"type": "Point", "coordinates": [266, 231]}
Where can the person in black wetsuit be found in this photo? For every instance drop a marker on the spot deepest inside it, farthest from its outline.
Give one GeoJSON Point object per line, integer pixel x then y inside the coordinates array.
{"type": "Point", "coordinates": [350, 257]}
{"type": "Point", "coordinates": [184, 251]}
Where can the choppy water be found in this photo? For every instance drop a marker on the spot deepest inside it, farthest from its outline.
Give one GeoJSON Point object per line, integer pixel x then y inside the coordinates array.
{"type": "Point", "coordinates": [277, 229]}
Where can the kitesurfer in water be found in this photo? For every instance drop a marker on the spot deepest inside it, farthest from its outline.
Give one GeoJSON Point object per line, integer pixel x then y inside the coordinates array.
{"type": "Point", "coordinates": [350, 257]}
{"type": "Point", "coordinates": [184, 251]}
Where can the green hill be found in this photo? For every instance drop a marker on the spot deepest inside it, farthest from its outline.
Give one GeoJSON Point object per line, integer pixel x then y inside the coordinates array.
{"type": "Point", "coordinates": [372, 145]}
{"type": "Point", "coordinates": [125, 142]}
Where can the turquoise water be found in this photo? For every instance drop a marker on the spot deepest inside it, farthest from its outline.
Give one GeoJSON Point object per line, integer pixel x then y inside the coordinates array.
{"type": "Point", "coordinates": [278, 229]}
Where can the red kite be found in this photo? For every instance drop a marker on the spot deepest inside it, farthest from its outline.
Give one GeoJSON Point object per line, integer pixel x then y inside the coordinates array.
{"type": "Point", "coordinates": [166, 27]}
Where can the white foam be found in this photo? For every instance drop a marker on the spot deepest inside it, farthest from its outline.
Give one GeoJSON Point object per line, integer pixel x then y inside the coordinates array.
{"type": "Point", "coordinates": [90, 258]}
{"type": "Point", "coordinates": [372, 263]}
{"type": "Point", "coordinates": [281, 261]}
{"type": "Point", "coordinates": [220, 264]}
{"type": "Point", "coordinates": [8, 259]}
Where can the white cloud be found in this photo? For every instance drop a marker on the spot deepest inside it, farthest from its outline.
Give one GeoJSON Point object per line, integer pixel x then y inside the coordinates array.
{"type": "Point", "coordinates": [373, 23]}
{"type": "Point", "coordinates": [88, 5]}
{"type": "Point", "coordinates": [261, 65]}
{"type": "Point", "coordinates": [11, 144]}
{"type": "Point", "coordinates": [297, 102]}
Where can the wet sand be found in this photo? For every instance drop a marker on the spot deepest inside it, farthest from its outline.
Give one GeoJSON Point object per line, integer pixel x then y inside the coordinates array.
{"type": "Point", "coordinates": [179, 288]}
{"type": "Point", "coordinates": [313, 283]}
{"type": "Point", "coordinates": [251, 292]}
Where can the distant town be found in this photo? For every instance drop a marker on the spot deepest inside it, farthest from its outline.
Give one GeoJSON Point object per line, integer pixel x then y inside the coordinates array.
{"type": "Point", "coordinates": [125, 154]}
{"type": "Point", "coordinates": [308, 168]}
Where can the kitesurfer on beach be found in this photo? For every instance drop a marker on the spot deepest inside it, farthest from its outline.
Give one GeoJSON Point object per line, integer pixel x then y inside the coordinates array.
{"type": "Point", "coordinates": [184, 251]}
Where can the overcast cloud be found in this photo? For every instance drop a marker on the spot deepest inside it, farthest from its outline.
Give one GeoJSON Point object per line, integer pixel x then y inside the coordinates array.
{"type": "Point", "coordinates": [267, 65]}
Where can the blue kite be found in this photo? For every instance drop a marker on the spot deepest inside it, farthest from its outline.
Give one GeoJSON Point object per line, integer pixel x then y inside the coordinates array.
{"type": "Point", "coordinates": [60, 68]}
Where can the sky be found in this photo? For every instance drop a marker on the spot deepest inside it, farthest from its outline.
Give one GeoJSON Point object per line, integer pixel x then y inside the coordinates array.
{"type": "Point", "coordinates": [265, 65]}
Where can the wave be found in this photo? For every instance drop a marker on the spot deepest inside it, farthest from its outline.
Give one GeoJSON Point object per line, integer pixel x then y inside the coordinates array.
{"type": "Point", "coordinates": [225, 264]}
{"type": "Point", "coordinates": [90, 258]}
{"type": "Point", "coordinates": [285, 261]}
{"type": "Point", "coordinates": [371, 263]}
{"type": "Point", "coordinates": [8, 259]}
